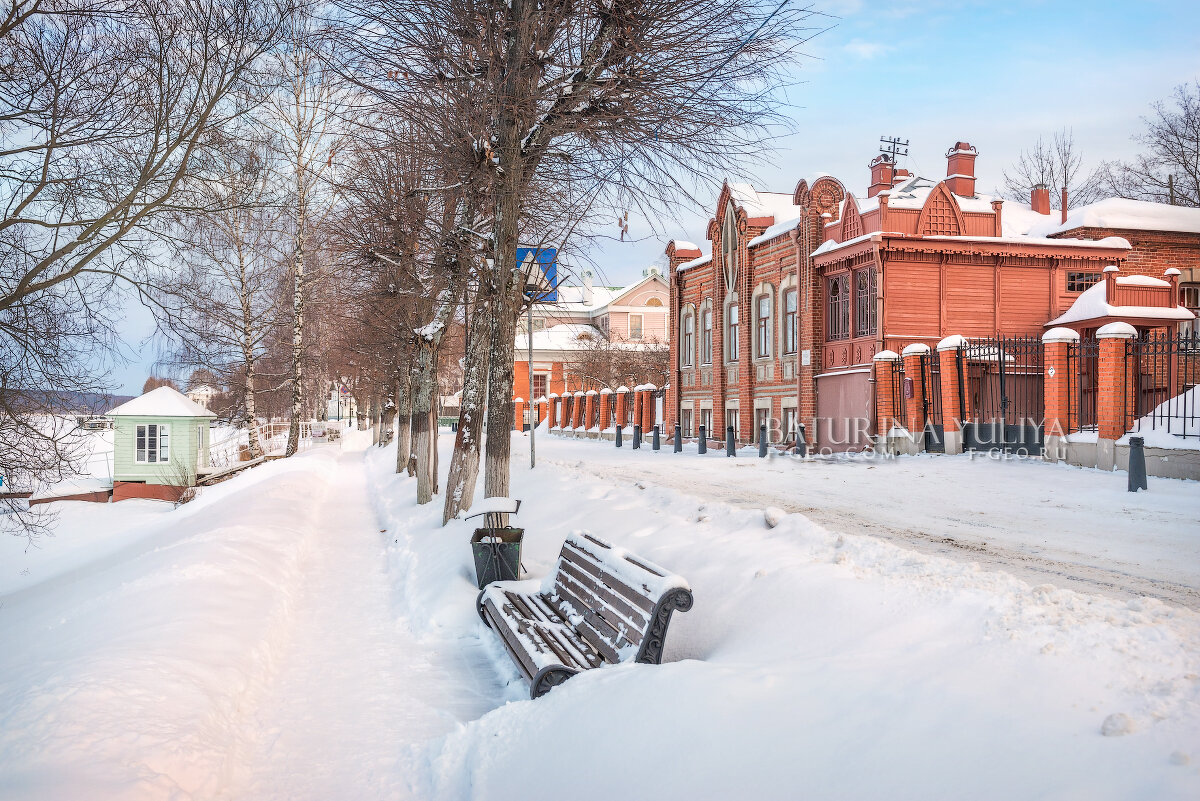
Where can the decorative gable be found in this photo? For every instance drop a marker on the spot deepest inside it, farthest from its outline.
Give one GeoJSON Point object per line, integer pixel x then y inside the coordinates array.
{"type": "Point", "coordinates": [851, 222]}
{"type": "Point", "coordinates": [940, 216]}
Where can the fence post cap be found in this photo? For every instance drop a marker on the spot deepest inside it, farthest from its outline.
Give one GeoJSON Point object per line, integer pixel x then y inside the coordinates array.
{"type": "Point", "coordinates": [518, 400]}
{"type": "Point", "coordinates": [952, 342]}
{"type": "Point", "coordinates": [1112, 268]}
{"type": "Point", "coordinates": [605, 391]}
{"type": "Point", "coordinates": [590, 392]}
{"type": "Point", "coordinates": [541, 399]}
{"type": "Point", "coordinates": [886, 356]}
{"type": "Point", "coordinates": [649, 387]}
{"type": "Point", "coordinates": [914, 349]}
{"type": "Point", "coordinates": [1116, 331]}
{"type": "Point", "coordinates": [579, 393]}
{"type": "Point", "coordinates": [1171, 271]}
{"type": "Point", "coordinates": [552, 396]}
{"type": "Point", "coordinates": [1061, 335]}
{"type": "Point", "coordinates": [622, 388]}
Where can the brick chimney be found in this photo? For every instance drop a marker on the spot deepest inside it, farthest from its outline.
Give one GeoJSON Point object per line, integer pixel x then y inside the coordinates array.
{"type": "Point", "coordinates": [882, 170]}
{"type": "Point", "coordinates": [900, 176]}
{"type": "Point", "coordinates": [960, 169]}
{"type": "Point", "coordinates": [1039, 199]}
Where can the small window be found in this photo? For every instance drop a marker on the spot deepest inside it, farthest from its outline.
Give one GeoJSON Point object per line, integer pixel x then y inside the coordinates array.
{"type": "Point", "coordinates": [1189, 298]}
{"type": "Point", "coordinates": [788, 424]}
{"type": "Point", "coordinates": [763, 326]}
{"type": "Point", "coordinates": [539, 386]}
{"type": "Point", "coordinates": [864, 303]}
{"type": "Point", "coordinates": [838, 326]}
{"type": "Point", "coordinates": [731, 421]}
{"type": "Point", "coordinates": [152, 444]}
{"type": "Point", "coordinates": [1077, 282]}
{"type": "Point", "coordinates": [706, 336]}
{"type": "Point", "coordinates": [706, 421]}
{"type": "Point", "coordinates": [685, 422]}
{"type": "Point", "coordinates": [539, 323]}
{"type": "Point", "coordinates": [635, 326]}
{"type": "Point", "coordinates": [789, 321]}
{"type": "Point", "coordinates": [731, 339]}
{"type": "Point", "coordinates": [654, 303]}
{"type": "Point", "coordinates": [762, 417]}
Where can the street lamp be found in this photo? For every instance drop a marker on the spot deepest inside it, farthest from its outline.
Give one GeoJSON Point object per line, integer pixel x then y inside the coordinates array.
{"type": "Point", "coordinates": [537, 283]}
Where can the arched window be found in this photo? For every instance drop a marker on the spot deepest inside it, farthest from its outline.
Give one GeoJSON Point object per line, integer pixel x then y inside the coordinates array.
{"type": "Point", "coordinates": [838, 326]}
{"type": "Point", "coordinates": [729, 248]}
{"type": "Point", "coordinates": [688, 340]}
{"type": "Point", "coordinates": [762, 326]}
{"type": "Point", "coordinates": [706, 334]}
{"type": "Point", "coordinates": [789, 321]}
{"type": "Point", "coordinates": [654, 302]}
{"type": "Point", "coordinates": [731, 332]}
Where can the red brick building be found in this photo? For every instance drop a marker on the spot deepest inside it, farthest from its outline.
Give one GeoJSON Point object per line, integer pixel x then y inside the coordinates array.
{"type": "Point", "coordinates": [782, 322]}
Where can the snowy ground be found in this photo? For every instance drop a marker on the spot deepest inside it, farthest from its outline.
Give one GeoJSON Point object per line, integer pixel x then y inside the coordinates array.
{"type": "Point", "coordinates": [304, 631]}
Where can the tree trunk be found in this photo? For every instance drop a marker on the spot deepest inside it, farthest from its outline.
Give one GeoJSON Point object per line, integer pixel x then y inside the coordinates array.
{"type": "Point", "coordinates": [464, 462]}
{"type": "Point", "coordinates": [403, 424]}
{"type": "Point", "coordinates": [256, 447]}
{"type": "Point", "coordinates": [422, 413]}
{"type": "Point", "coordinates": [293, 443]}
{"type": "Point", "coordinates": [374, 419]}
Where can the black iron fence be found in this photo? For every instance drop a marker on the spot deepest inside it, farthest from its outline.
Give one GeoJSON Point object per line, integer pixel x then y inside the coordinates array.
{"type": "Point", "coordinates": [931, 392]}
{"type": "Point", "coordinates": [1083, 384]}
{"type": "Point", "coordinates": [1162, 372]}
{"type": "Point", "coordinates": [899, 405]}
{"type": "Point", "coordinates": [1001, 396]}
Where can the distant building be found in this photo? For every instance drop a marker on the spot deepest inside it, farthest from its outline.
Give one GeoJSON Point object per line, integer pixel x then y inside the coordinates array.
{"type": "Point", "coordinates": [202, 394]}
{"type": "Point", "coordinates": [636, 314]}
{"type": "Point", "coordinates": [160, 445]}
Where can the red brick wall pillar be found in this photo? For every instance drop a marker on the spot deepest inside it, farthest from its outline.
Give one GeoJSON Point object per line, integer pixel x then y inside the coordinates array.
{"type": "Point", "coordinates": [552, 410]}
{"type": "Point", "coordinates": [1114, 392]}
{"type": "Point", "coordinates": [518, 413]}
{"type": "Point", "coordinates": [947, 355]}
{"type": "Point", "coordinates": [604, 401]}
{"type": "Point", "coordinates": [589, 408]}
{"type": "Point", "coordinates": [638, 402]}
{"type": "Point", "coordinates": [622, 405]}
{"type": "Point", "coordinates": [914, 405]}
{"type": "Point", "coordinates": [1056, 385]}
{"type": "Point", "coordinates": [885, 378]}
{"type": "Point", "coordinates": [564, 412]}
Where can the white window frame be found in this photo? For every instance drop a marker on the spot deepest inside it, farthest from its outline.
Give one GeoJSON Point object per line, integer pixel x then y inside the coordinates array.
{"type": "Point", "coordinates": [791, 329]}
{"type": "Point", "coordinates": [733, 325]}
{"type": "Point", "coordinates": [161, 452]}
{"type": "Point", "coordinates": [763, 334]}
{"type": "Point", "coordinates": [641, 318]}
{"type": "Point", "coordinates": [706, 329]}
{"type": "Point", "coordinates": [687, 340]}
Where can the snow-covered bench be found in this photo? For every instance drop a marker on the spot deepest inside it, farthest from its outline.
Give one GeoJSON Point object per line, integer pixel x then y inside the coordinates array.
{"type": "Point", "coordinates": [603, 606]}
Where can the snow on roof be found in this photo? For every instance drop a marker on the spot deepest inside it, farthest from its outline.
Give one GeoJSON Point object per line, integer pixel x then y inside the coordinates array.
{"type": "Point", "coordinates": [687, 265]}
{"type": "Point", "coordinates": [683, 244]}
{"type": "Point", "coordinates": [1092, 304]}
{"type": "Point", "coordinates": [573, 296]}
{"type": "Point", "coordinates": [774, 231]}
{"type": "Point", "coordinates": [1134, 215]}
{"type": "Point", "coordinates": [161, 402]}
{"type": "Point", "coordinates": [565, 336]}
{"type": "Point", "coordinates": [763, 204]}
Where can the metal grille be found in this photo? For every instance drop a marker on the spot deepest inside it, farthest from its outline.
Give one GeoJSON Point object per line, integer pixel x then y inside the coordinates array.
{"type": "Point", "coordinates": [1083, 374]}
{"type": "Point", "coordinates": [1162, 372]}
{"type": "Point", "coordinates": [839, 307]}
{"type": "Point", "coordinates": [931, 391]}
{"type": "Point", "coordinates": [1002, 394]}
{"type": "Point", "coordinates": [899, 407]}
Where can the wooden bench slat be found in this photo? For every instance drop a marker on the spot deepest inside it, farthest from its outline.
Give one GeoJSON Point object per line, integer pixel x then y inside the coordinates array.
{"type": "Point", "coordinates": [587, 563]}
{"type": "Point", "coordinates": [593, 612]}
{"type": "Point", "coordinates": [508, 638]}
{"type": "Point", "coordinates": [614, 609]}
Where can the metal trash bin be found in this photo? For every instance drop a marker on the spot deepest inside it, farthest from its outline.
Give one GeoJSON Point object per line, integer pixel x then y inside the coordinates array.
{"type": "Point", "coordinates": [497, 553]}
{"type": "Point", "coordinates": [496, 547]}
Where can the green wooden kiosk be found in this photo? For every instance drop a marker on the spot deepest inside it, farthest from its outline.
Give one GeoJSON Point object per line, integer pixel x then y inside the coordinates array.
{"type": "Point", "coordinates": [160, 445]}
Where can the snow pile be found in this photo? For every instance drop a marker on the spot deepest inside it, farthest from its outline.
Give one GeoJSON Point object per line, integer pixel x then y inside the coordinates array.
{"type": "Point", "coordinates": [1121, 214]}
{"type": "Point", "coordinates": [1174, 423]}
{"type": "Point", "coordinates": [1092, 304]}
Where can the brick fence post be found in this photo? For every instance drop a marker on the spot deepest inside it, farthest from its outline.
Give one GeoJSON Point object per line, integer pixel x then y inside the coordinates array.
{"type": "Point", "coordinates": [915, 406]}
{"type": "Point", "coordinates": [552, 411]}
{"type": "Point", "coordinates": [577, 406]}
{"type": "Point", "coordinates": [885, 376]}
{"type": "Point", "coordinates": [1112, 391]}
{"type": "Point", "coordinates": [605, 415]}
{"type": "Point", "coordinates": [564, 412]}
{"type": "Point", "coordinates": [947, 355]}
{"type": "Point", "coordinates": [518, 413]}
{"type": "Point", "coordinates": [1057, 388]}
{"type": "Point", "coordinates": [636, 399]}
{"type": "Point", "coordinates": [622, 406]}
{"type": "Point", "coordinates": [589, 409]}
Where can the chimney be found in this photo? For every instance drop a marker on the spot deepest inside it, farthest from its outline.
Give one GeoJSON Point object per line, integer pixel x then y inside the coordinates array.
{"type": "Point", "coordinates": [960, 169]}
{"type": "Point", "coordinates": [587, 287]}
{"type": "Point", "coordinates": [900, 176]}
{"type": "Point", "coordinates": [1064, 204]}
{"type": "Point", "coordinates": [1039, 199]}
{"type": "Point", "coordinates": [882, 170]}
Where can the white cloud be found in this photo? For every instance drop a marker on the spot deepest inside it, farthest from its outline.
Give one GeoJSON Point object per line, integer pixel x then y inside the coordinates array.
{"type": "Point", "coordinates": [863, 49]}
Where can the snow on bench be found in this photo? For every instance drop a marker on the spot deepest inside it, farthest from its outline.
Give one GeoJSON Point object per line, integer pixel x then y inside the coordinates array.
{"type": "Point", "coordinates": [604, 606]}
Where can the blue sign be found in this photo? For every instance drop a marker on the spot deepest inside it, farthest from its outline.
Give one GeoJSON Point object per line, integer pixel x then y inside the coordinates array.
{"type": "Point", "coordinates": [544, 276]}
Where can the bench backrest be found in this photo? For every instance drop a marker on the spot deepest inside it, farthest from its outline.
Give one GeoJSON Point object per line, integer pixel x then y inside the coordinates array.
{"type": "Point", "coordinates": [619, 603]}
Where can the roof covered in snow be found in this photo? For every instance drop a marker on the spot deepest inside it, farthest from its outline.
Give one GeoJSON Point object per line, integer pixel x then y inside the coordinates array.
{"type": "Point", "coordinates": [161, 402]}
{"type": "Point", "coordinates": [763, 204]}
{"type": "Point", "coordinates": [1133, 215]}
{"type": "Point", "coordinates": [1092, 304]}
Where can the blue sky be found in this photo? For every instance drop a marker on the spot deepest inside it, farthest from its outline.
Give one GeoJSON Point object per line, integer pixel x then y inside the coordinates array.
{"type": "Point", "coordinates": [995, 74]}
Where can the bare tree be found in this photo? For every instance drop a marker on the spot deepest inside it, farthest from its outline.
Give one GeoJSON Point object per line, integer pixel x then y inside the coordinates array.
{"type": "Point", "coordinates": [1169, 170]}
{"type": "Point", "coordinates": [1057, 166]}
{"type": "Point", "coordinates": [108, 112]}
{"type": "Point", "coordinates": [601, 361]}
{"type": "Point", "coordinates": [616, 104]}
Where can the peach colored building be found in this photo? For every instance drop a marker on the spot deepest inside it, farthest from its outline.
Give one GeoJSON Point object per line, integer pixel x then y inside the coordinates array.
{"type": "Point", "coordinates": [784, 320]}
{"type": "Point", "coordinates": [636, 314]}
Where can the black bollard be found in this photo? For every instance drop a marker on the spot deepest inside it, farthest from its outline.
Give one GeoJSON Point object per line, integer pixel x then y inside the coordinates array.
{"type": "Point", "coordinates": [702, 443]}
{"type": "Point", "coordinates": [730, 445]}
{"type": "Point", "coordinates": [762, 441]}
{"type": "Point", "coordinates": [678, 439]}
{"type": "Point", "coordinates": [801, 444]}
{"type": "Point", "coordinates": [618, 435]}
{"type": "Point", "coordinates": [1137, 464]}
{"type": "Point", "coordinates": [637, 436]}
{"type": "Point", "coordinates": [655, 444]}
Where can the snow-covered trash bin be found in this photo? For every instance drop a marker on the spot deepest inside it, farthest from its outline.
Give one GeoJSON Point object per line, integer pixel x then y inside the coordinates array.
{"type": "Point", "coordinates": [496, 547]}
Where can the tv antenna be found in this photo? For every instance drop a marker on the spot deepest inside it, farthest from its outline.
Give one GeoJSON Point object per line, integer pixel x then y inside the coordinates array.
{"type": "Point", "coordinates": [893, 147]}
